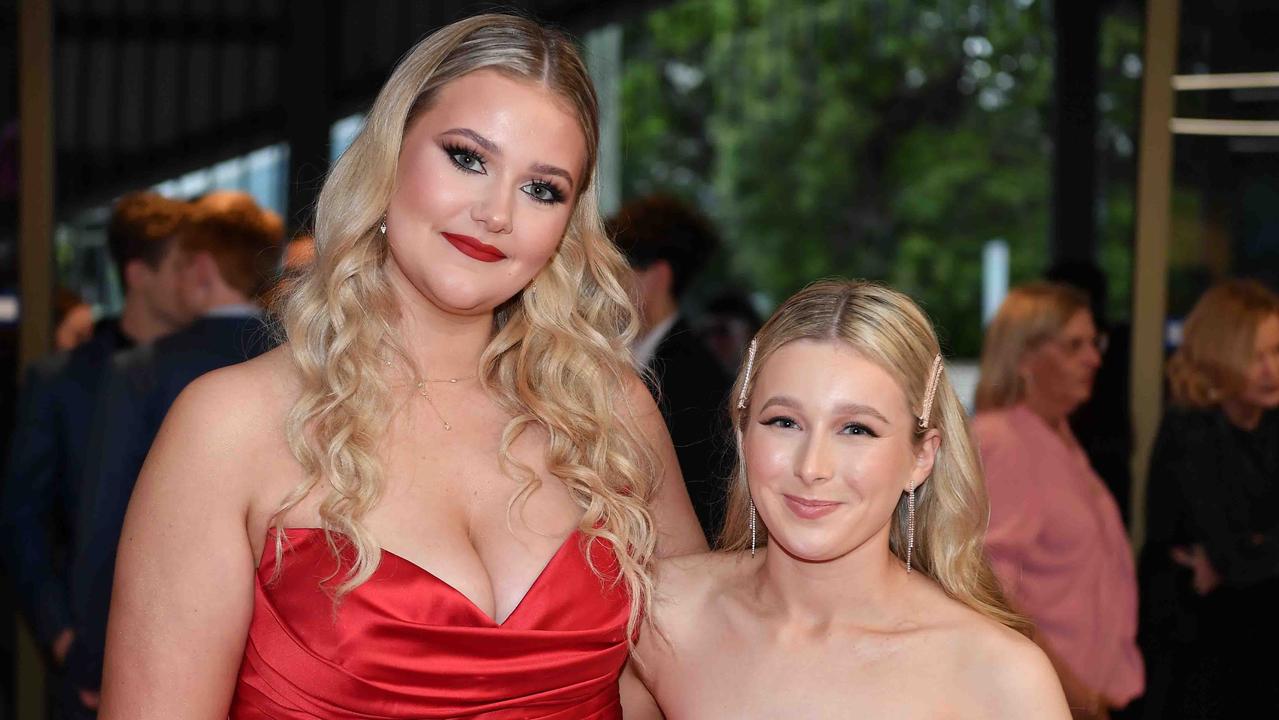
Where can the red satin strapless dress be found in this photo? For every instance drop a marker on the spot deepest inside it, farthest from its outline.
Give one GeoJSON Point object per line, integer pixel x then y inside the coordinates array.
{"type": "Point", "coordinates": [405, 644]}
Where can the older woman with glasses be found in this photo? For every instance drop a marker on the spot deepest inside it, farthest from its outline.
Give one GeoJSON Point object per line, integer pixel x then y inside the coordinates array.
{"type": "Point", "coordinates": [1056, 539]}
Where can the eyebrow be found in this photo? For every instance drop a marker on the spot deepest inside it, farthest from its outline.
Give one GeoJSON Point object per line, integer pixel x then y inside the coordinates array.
{"type": "Point", "coordinates": [552, 170]}
{"type": "Point", "coordinates": [492, 148]}
{"type": "Point", "coordinates": [843, 409]}
{"type": "Point", "coordinates": [476, 138]}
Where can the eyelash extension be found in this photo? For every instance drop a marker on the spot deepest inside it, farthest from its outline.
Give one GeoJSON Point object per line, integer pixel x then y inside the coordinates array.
{"type": "Point", "coordinates": [453, 150]}
{"type": "Point", "coordinates": [782, 418]}
{"type": "Point", "coordinates": [864, 430]}
{"type": "Point", "coordinates": [556, 195]}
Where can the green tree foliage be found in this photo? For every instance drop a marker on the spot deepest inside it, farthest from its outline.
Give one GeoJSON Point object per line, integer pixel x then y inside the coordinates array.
{"type": "Point", "coordinates": [886, 139]}
{"type": "Point", "coordinates": [1118, 103]}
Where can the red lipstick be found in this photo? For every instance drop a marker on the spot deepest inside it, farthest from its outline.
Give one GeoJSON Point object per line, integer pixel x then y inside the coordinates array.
{"type": "Point", "coordinates": [473, 248]}
{"type": "Point", "coordinates": [810, 509]}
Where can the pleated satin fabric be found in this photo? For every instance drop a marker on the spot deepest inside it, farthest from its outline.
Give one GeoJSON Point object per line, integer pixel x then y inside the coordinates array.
{"type": "Point", "coordinates": [407, 645]}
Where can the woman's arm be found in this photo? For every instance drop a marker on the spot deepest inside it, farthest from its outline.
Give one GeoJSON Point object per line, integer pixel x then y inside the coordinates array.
{"type": "Point", "coordinates": [1188, 454]}
{"type": "Point", "coordinates": [183, 594]}
{"type": "Point", "coordinates": [1030, 686]}
{"type": "Point", "coordinates": [678, 532]}
{"type": "Point", "coordinates": [1084, 702]}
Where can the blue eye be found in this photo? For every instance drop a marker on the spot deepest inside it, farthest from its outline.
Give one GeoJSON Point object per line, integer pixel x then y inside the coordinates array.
{"type": "Point", "coordinates": [465, 159]}
{"type": "Point", "coordinates": [543, 192]}
{"type": "Point", "coordinates": [857, 429]}
{"type": "Point", "coordinates": [781, 421]}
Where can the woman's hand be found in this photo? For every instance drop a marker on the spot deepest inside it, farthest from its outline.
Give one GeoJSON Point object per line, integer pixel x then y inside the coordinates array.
{"type": "Point", "coordinates": [1206, 577]}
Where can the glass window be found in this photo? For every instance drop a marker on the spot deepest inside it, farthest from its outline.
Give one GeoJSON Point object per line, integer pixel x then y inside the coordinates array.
{"type": "Point", "coordinates": [881, 139]}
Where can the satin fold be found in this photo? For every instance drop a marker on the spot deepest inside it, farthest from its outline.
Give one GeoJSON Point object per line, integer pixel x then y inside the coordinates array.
{"type": "Point", "coordinates": [407, 645]}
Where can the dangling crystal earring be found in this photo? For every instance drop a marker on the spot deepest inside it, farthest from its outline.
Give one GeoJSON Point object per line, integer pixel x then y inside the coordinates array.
{"type": "Point", "coordinates": [910, 525]}
{"type": "Point", "coordinates": [382, 226]}
{"type": "Point", "coordinates": [752, 523]}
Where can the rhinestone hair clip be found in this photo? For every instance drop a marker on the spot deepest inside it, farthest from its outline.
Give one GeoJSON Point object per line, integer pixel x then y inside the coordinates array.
{"type": "Point", "coordinates": [746, 381]}
{"type": "Point", "coordinates": [931, 393]}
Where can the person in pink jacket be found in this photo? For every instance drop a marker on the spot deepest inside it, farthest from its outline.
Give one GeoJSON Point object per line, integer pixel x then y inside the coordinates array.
{"type": "Point", "coordinates": [1056, 539]}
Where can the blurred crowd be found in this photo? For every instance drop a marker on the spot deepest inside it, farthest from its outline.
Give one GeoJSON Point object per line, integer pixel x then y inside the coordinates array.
{"type": "Point", "coordinates": [195, 276]}
{"type": "Point", "coordinates": [1161, 636]}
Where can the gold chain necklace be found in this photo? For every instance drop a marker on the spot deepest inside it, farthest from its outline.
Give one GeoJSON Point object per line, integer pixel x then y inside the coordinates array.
{"type": "Point", "coordinates": [421, 385]}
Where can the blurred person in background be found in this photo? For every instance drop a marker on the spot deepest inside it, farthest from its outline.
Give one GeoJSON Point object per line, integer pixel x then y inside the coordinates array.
{"type": "Point", "coordinates": [1210, 563]}
{"type": "Point", "coordinates": [54, 419]}
{"type": "Point", "coordinates": [72, 320]}
{"type": "Point", "coordinates": [1103, 423]}
{"type": "Point", "coordinates": [230, 254]}
{"type": "Point", "coordinates": [729, 321]}
{"type": "Point", "coordinates": [299, 254]}
{"type": "Point", "coordinates": [1056, 539]}
{"type": "Point", "coordinates": [668, 244]}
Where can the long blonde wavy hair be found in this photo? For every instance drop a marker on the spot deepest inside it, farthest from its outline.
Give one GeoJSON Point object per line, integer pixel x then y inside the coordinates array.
{"type": "Point", "coordinates": [1218, 338]}
{"type": "Point", "coordinates": [1031, 314]}
{"type": "Point", "coordinates": [888, 329]}
{"type": "Point", "coordinates": [555, 359]}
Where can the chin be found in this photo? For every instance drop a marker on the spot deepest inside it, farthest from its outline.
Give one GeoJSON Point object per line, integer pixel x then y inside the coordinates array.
{"type": "Point", "coordinates": [1082, 396]}
{"type": "Point", "coordinates": [465, 298]}
{"type": "Point", "coordinates": [1269, 401]}
{"type": "Point", "coordinates": [811, 550]}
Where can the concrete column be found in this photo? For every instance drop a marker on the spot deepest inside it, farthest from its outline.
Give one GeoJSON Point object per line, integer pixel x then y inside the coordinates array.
{"type": "Point", "coordinates": [1154, 234]}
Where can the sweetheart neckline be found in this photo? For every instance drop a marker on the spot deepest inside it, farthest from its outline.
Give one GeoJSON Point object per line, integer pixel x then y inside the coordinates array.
{"type": "Point", "coordinates": [476, 609]}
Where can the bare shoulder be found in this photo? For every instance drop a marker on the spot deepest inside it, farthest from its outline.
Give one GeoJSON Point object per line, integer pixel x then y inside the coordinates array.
{"type": "Point", "coordinates": [1019, 681]}
{"type": "Point", "coordinates": [685, 587]}
{"type": "Point", "coordinates": [230, 422]}
{"type": "Point", "coordinates": [677, 527]}
{"type": "Point", "coordinates": [637, 398]}
{"type": "Point", "coordinates": [686, 584]}
{"type": "Point", "coordinates": [700, 571]}
{"type": "Point", "coordinates": [239, 399]}
{"type": "Point", "coordinates": [1004, 672]}
{"type": "Point", "coordinates": [269, 376]}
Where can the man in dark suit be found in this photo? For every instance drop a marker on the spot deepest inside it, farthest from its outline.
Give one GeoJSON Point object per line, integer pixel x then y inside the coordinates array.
{"type": "Point", "coordinates": [231, 252]}
{"type": "Point", "coordinates": [46, 459]}
{"type": "Point", "coordinates": [667, 244]}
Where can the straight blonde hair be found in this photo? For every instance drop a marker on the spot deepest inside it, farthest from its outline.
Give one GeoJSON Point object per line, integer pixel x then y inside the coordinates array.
{"type": "Point", "coordinates": [952, 511]}
{"type": "Point", "coordinates": [1029, 315]}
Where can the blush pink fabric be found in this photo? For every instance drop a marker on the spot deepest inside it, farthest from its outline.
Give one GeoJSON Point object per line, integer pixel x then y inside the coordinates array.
{"type": "Point", "coordinates": [1058, 545]}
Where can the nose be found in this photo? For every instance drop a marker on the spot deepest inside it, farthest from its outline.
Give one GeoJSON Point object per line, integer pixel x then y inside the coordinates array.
{"type": "Point", "coordinates": [1092, 356]}
{"type": "Point", "coordinates": [815, 462]}
{"type": "Point", "coordinates": [1270, 366]}
{"type": "Point", "coordinates": [493, 211]}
